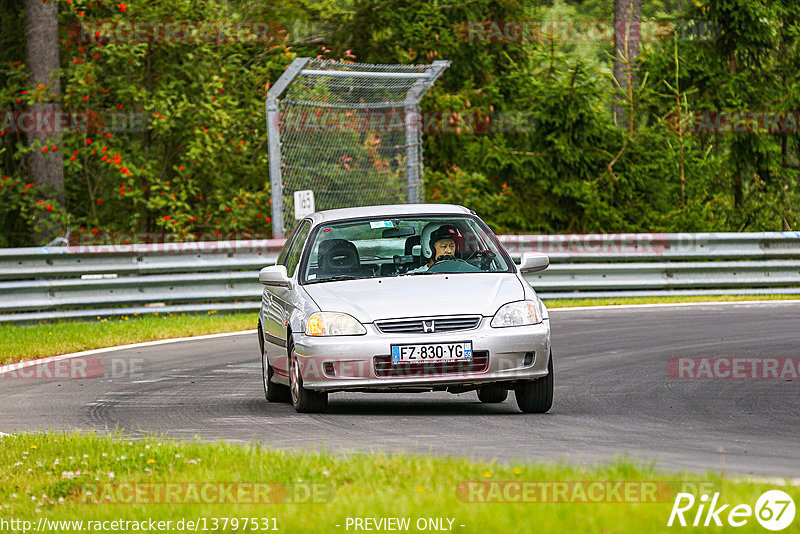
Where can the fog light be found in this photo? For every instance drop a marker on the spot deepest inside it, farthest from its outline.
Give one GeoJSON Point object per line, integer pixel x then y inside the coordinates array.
{"type": "Point", "coordinates": [529, 358]}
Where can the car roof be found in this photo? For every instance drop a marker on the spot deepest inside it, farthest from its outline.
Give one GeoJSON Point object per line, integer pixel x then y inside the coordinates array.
{"type": "Point", "coordinates": [390, 210]}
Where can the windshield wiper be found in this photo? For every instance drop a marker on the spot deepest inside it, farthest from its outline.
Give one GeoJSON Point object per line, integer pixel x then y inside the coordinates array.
{"type": "Point", "coordinates": [334, 278]}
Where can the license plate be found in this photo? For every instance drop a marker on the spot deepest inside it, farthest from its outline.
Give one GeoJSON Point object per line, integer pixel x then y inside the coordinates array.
{"type": "Point", "coordinates": [432, 352]}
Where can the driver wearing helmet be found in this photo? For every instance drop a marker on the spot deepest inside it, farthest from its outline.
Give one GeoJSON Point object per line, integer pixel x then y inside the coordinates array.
{"type": "Point", "coordinates": [442, 246]}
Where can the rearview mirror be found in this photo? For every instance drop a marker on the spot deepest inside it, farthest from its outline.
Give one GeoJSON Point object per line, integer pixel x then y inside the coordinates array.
{"type": "Point", "coordinates": [274, 275]}
{"type": "Point", "coordinates": [532, 262]}
{"type": "Point", "coordinates": [399, 231]}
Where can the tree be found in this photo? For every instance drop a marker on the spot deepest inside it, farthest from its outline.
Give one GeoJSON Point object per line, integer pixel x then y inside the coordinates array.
{"type": "Point", "coordinates": [627, 37]}
{"type": "Point", "coordinates": [42, 55]}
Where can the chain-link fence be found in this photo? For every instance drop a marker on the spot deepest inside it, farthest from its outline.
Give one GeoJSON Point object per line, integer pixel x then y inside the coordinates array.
{"type": "Point", "coordinates": [350, 132]}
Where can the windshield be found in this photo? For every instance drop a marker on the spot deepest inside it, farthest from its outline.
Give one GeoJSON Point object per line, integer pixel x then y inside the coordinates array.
{"type": "Point", "coordinates": [402, 246]}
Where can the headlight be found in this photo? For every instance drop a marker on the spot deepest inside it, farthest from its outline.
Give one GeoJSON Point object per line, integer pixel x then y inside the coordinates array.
{"type": "Point", "coordinates": [333, 324]}
{"type": "Point", "coordinates": [519, 313]}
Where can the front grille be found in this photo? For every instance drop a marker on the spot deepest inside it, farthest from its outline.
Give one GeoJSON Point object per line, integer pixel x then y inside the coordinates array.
{"type": "Point", "coordinates": [384, 368]}
{"type": "Point", "coordinates": [429, 325]}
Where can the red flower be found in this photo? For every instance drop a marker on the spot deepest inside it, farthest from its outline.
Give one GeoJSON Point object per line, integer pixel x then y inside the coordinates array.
{"type": "Point", "coordinates": [268, 219]}
{"type": "Point", "coordinates": [44, 149]}
{"type": "Point", "coordinates": [180, 168]}
{"type": "Point", "coordinates": [88, 141]}
{"type": "Point", "coordinates": [167, 217]}
{"type": "Point", "coordinates": [25, 92]}
{"type": "Point", "coordinates": [99, 201]}
{"type": "Point", "coordinates": [49, 207]}
{"type": "Point", "coordinates": [54, 148]}
{"type": "Point", "coordinates": [95, 230]}
{"type": "Point", "coordinates": [40, 202]}
{"type": "Point", "coordinates": [122, 7]}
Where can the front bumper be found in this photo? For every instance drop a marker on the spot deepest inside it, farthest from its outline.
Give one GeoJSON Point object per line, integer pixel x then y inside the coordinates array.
{"type": "Point", "coordinates": [358, 363]}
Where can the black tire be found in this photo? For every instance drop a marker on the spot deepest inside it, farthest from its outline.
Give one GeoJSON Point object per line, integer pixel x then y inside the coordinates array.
{"type": "Point", "coordinates": [492, 394]}
{"type": "Point", "coordinates": [536, 396]}
{"type": "Point", "coordinates": [304, 400]}
{"type": "Point", "coordinates": [272, 392]}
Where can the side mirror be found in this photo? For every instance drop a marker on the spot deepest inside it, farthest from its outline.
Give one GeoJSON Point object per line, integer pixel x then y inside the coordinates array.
{"type": "Point", "coordinates": [274, 275]}
{"type": "Point", "coordinates": [532, 262]}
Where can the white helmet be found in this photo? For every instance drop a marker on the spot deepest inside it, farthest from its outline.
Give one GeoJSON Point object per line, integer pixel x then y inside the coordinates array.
{"type": "Point", "coordinates": [434, 232]}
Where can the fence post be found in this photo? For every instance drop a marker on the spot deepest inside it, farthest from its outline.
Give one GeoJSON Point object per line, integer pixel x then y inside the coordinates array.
{"type": "Point", "coordinates": [274, 140]}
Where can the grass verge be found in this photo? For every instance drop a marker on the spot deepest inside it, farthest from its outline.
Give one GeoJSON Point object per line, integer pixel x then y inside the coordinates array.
{"type": "Point", "coordinates": [70, 477]}
{"type": "Point", "coordinates": [37, 341]}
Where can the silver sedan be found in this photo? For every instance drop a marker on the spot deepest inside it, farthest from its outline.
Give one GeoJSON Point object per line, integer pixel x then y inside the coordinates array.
{"type": "Point", "coordinates": [405, 298]}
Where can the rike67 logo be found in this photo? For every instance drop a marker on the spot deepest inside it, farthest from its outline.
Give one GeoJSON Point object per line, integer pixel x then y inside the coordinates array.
{"type": "Point", "coordinates": [774, 510]}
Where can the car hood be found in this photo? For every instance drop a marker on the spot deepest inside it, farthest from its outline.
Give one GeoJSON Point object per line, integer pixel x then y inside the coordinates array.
{"type": "Point", "coordinates": [374, 299]}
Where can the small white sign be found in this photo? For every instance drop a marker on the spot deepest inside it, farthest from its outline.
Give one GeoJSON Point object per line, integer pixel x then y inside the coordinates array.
{"type": "Point", "coordinates": [303, 203]}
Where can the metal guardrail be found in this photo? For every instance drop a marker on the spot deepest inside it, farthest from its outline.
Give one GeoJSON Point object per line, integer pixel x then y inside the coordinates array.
{"type": "Point", "coordinates": [123, 280]}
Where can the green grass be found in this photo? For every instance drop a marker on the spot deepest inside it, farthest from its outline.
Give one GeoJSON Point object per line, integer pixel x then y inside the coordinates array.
{"type": "Point", "coordinates": [36, 341]}
{"type": "Point", "coordinates": [48, 475]}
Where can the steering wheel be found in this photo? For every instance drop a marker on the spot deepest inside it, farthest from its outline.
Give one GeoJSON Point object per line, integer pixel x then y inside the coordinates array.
{"type": "Point", "coordinates": [447, 257]}
{"type": "Point", "coordinates": [484, 257]}
{"type": "Point", "coordinates": [447, 263]}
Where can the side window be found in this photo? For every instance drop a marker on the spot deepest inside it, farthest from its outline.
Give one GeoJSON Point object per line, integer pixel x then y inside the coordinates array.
{"type": "Point", "coordinates": [296, 251]}
{"type": "Point", "coordinates": [287, 244]}
{"type": "Point", "coordinates": [284, 251]}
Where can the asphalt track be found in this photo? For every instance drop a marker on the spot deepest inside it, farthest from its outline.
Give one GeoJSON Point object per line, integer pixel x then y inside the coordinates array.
{"type": "Point", "coordinates": [613, 396]}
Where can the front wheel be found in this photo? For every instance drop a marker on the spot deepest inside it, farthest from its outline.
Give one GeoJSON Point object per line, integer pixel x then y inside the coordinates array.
{"type": "Point", "coordinates": [492, 394]}
{"type": "Point", "coordinates": [272, 392]}
{"type": "Point", "coordinates": [536, 396]}
{"type": "Point", "coordinates": [304, 400]}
